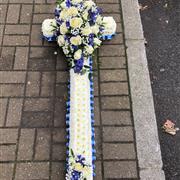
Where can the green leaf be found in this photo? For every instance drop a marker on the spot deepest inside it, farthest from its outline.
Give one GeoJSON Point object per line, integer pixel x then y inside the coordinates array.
{"type": "Point", "coordinates": [72, 153]}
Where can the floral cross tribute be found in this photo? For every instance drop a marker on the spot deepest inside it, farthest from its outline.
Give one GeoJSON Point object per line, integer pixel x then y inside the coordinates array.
{"type": "Point", "coordinates": [79, 29]}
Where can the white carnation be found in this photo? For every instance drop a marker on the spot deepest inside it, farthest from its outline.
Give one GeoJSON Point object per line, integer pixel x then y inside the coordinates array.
{"type": "Point", "coordinates": [109, 25]}
{"type": "Point", "coordinates": [49, 27]}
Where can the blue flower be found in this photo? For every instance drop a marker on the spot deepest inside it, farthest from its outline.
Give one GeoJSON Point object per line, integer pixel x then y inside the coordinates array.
{"type": "Point", "coordinates": [91, 39]}
{"type": "Point", "coordinates": [75, 175]}
{"type": "Point", "coordinates": [67, 24]}
{"type": "Point", "coordinates": [58, 21]}
{"type": "Point", "coordinates": [57, 12]}
{"type": "Point", "coordinates": [78, 65]}
{"type": "Point", "coordinates": [68, 3]}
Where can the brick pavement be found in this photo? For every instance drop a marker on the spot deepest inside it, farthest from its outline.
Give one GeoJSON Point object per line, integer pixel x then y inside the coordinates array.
{"type": "Point", "coordinates": [33, 91]}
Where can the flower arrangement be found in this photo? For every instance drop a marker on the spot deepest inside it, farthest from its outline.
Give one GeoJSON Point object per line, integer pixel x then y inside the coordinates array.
{"type": "Point", "coordinates": [79, 28]}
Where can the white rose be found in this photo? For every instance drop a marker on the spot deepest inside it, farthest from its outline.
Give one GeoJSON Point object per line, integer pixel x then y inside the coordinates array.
{"type": "Point", "coordinates": [95, 29]}
{"type": "Point", "coordinates": [78, 54]}
{"type": "Point", "coordinates": [89, 4]}
{"type": "Point", "coordinates": [109, 25]}
{"type": "Point", "coordinates": [97, 41]}
{"type": "Point", "coordinates": [86, 31]}
{"type": "Point", "coordinates": [61, 40]}
{"type": "Point", "coordinates": [89, 49]}
{"type": "Point", "coordinates": [76, 40]}
{"type": "Point", "coordinates": [72, 11]}
{"type": "Point", "coordinates": [76, 22]}
{"type": "Point", "coordinates": [64, 14]}
{"type": "Point", "coordinates": [48, 27]}
{"type": "Point", "coordinates": [63, 28]}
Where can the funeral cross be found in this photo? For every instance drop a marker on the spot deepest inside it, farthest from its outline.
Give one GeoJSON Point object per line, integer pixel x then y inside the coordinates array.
{"type": "Point", "coordinates": [79, 28]}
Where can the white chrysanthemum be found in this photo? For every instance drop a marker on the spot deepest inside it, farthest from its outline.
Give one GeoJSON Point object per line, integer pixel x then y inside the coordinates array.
{"type": "Point", "coordinates": [61, 40]}
{"type": "Point", "coordinates": [109, 25]}
{"type": "Point", "coordinates": [76, 40]}
{"type": "Point", "coordinates": [72, 11]}
{"type": "Point", "coordinates": [76, 22]}
{"type": "Point", "coordinates": [64, 14]}
{"type": "Point", "coordinates": [63, 28]}
{"type": "Point", "coordinates": [89, 49]}
{"type": "Point", "coordinates": [48, 27]}
{"type": "Point", "coordinates": [78, 54]}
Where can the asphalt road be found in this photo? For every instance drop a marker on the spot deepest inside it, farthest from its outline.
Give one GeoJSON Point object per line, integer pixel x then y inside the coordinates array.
{"type": "Point", "coordinates": [161, 23]}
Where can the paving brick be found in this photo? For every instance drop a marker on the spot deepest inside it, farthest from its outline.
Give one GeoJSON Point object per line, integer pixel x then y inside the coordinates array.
{"type": "Point", "coordinates": [118, 151]}
{"type": "Point", "coordinates": [47, 84]}
{"type": "Point", "coordinates": [59, 135]}
{"type": "Point", "coordinates": [3, 106]}
{"type": "Point", "coordinates": [39, 1]}
{"type": "Point", "coordinates": [38, 104]}
{"type": "Point", "coordinates": [114, 88]}
{"type": "Point", "coordinates": [17, 29]}
{"type": "Point", "coordinates": [1, 33]}
{"type": "Point", "coordinates": [26, 13]}
{"type": "Point", "coordinates": [59, 152]}
{"type": "Point", "coordinates": [29, 171]}
{"type": "Point", "coordinates": [36, 35]}
{"type": "Point", "coordinates": [8, 136]}
{"type": "Point", "coordinates": [16, 40]}
{"type": "Point", "coordinates": [96, 86]}
{"type": "Point", "coordinates": [7, 153]}
{"type": "Point", "coordinates": [115, 102]}
{"type": "Point", "coordinates": [12, 77]}
{"type": "Point", "coordinates": [21, 58]}
{"type": "Point", "coordinates": [116, 50]}
{"type": "Point", "coordinates": [61, 90]}
{"type": "Point", "coordinates": [117, 16]}
{"type": "Point", "coordinates": [7, 58]}
{"type": "Point", "coordinates": [20, 1]}
{"type": "Point", "coordinates": [58, 171]}
{"type": "Point", "coordinates": [42, 147]}
{"type": "Point", "coordinates": [36, 119]}
{"type": "Point", "coordinates": [116, 117]}
{"type": "Point", "coordinates": [98, 171]}
{"type": "Point", "coordinates": [6, 170]}
{"type": "Point", "coordinates": [60, 112]}
{"type": "Point", "coordinates": [119, 28]}
{"type": "Point", "coordinates": [3, 9]}
{"type": "Point", "coordinates": [42, 52]}
{"type": "Point", "coordinates": [39, 18]}
{"type": "Point", "coordinates": [113, 8]}
{"type": "Point", "coordinates": [14, 112]}
{"type": "Point", "coordinates": [112, 62]}
{"type": "Point", "coordinates": [62, 77]}
{"type": "Point", "coordinates": [25, 151]}
{"type": "Point", "coordinates": [44, 8]}
{"type": "Point", "coordinates": [98, 143]}
{"type": "Point", "coordinates": [33, 83]}
{"type": "Point", "coordinates": [118, 39]}
{"type": "Point", "coordinates": [113, 75]}
{"type": "Point", "coordinates": [115, 134]}
{"type": "Point", "coordinates": [107, 1]}
{"type": "Point", "coordinates": [121, 169]}
{"type": "Point", "coordinates": [3, 1]}
{"type": "Point", "coordinates": [11, 90]}
{"type": "Point", "coordinates": [51, 1]}
{"type": "Point", "coordinates": [96, 111]}
{"type": "Point", "coordinates": [13, 14]}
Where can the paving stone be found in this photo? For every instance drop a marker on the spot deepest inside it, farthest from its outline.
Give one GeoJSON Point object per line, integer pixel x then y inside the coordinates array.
{"type": "Point", "coordinates": [118, 39]}
{"type": "Point", "coordinates": [3, 9]}
{"type": "Point", "coordinates": [36, 119]}
{"type": "Point", "coordinates": [96, 86]}
{"type": "Point", "coordinates": [7, 58]}
{"type": "Point", "coordinates": [11, 90]}
{"type": "Point", "coordinates": [98, 143]}
{"type": "Point", "coordinates": [47, 84]}
{"type": "Point", "coordinates": [36, 35]}
{"type": "Point", "coordinates": [108, 1]}
{"type": "Point", "coordinates": [113, 75]}
{"type": "Point", "coordinates": [8, 136]}
{"type": "Point", "coordinates": [44, 8]}
{"type": "Point", "coordinates": [59, 135]}
{"type": "Point", "coordinates": [12, 77]}
{"type": "Point", "coordinates": [32, 170]}
{"type": "Point", "coordinates": [98, 171]}
{"type": "Point", "coordinates": [60, 112]}
{"type": "Point", "coordinates": [21, 58]}
{"type": "Point", "coordinates": [39, 18]}
{"type": "Point", "coordinates": [115, 102]}
{"type": "Point", "coordinates": [116, 50]}
{"type": "Point", "coordinates": [114, 88]}
{"type": "Point", "coordinates": [16, 40]}
{"type": "Point", "coordinates": [20, 1]}
{"type": "Point", "coordinates": [17, 29]}
{"type": "Point", "coordinates": [116, 117]}
{"type": "Point", "coordinates": [121, 169]}
{"type": "Point", "coordinates": [62, 77]}
{"type": "Point", "coordinates": [3, 1]}
{"type": "Point", "coordinates": [26, 142]}
{"type": "Point", "coordinates": [14, 112]}
{"type": "Point", "coordinates": [96, 111]}
{"type": "Point", "coordinates": [7, 153]}
{"type": "Point", "coordinates": [13, 14]}
{"type": "Point", "coordinates": [33, 83]}
{"type": "Point", "coordinates": [118, 151]}
{"type": "Point", "coordinates": [119, 28]}
{"type": "Point", "coordinates": [42, 52]}
{"type": "Point", "coordinates": [6, 170]}
{"type": "Point", "coordinates": [58, 171]}
{"type": "Point", "coordinates": [38, 104]}
{"type": "Point", "coordinates": [42, 147]}
{"type": "Point", "coordinates": [61, 90]}
{"type": "Point", "coordinates": [117, 134]}
{"type": "Point", "coordinates": [39, 1]}
{"type": "Point", "coordinates": [3, 106]}
{"type": "Point", "coordinates": [112, 62]}
{"type": "Point", "coordinates": [1, 33]}
{"type": "Point", "coordinates": [59, 152]}
{"type": "Point", "coordinates": [106, 8]}
{"type": "Point", "coordinates": [51, 1]}
{"type": "Point", "coordinates": [26, 13]}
